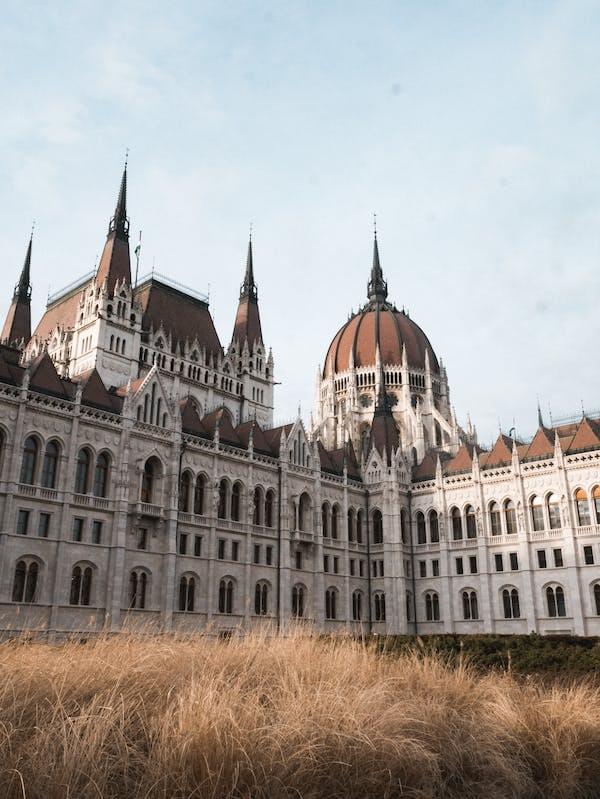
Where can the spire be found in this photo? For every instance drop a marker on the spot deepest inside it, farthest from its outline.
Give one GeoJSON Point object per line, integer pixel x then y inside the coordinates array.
{"type": "Point", "coordinates": [540, 417]}
{"type": "Point", "coordinates": [17, 326]}
{"type": "Point", "coordinates": [115, 263]}
{"type": "Point", "coordinates": [247, 327]}
{"type": "Point", "coordinates": [119, 223]}
{"type": "Point", "coordinates": [377, 288]}
{"type": "Point", "coordinates": [384, 431]}
{"type": "Point", "coordinates": [248, 287]}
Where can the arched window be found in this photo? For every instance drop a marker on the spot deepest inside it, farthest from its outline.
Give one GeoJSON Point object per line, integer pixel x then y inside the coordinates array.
{"type": "Point", "coordinates": [350, 524]}
{"type": "Point", "coordinates": [510, 517]}
{"type": "Point", "coordinates": [150, 476]}
{"type": "Point", "coordinates": [138, 583]}
{"type": "Point", "coordinates": [597, 598]}
{"type": "Point", "coordinates": [29, 463]}
{"type": "Point", "coordinates": [495, 519]}
{"type": "Point", "coordinates": [432, 606]}
{"type": "Point", "coordinates": [457, 532]}
{"type": "Point", "coordinates": [403, 526]}
{"type": "Point", "coordinates": [199, 495]}
{"type": "Point", "coordinates": [101, 475]}
{"type": "Point", "coordinates": [377, 527]}
{"type": "Point", "coordinates": [269, 505]}
{"type": "Point", "coordinates": [421, 529]}
{"type": "Point", "coordinates": [553, 503]}
{"type": "Point", "coordinates": [258, 506]}
{"type": "Point", "coordinates": [25, 581]}
{"type": "Point", "coordinates": [510, 603]}
{"type": "Point", "coordinates": [471, 522]}
{"type": "Point", "coordinates": [596, 499]}
{"type": "Point", "coordinates": [331, 603]}
{"type": "Point", "coordinates": [298, 598]}
{"type": "Point", "coordinates": [82, 471]}
{"type": "Point", "coordinates": [470, 608]}
{"type": "Point", "coordinates": [379, 603]}
{"type": "Point", "coordinates": [583, 508]}
{"type": "Point", "coordinates": [438, 434]}
{"type": "Point", "coordinates": [261, 599]}
{"type": "Point", "coordinates": [226, 596]}
{"type": "Point", "coordinates": [359, 526]}
{"type": "Point", "coordinates": [223, 497]}
{"type": "Point", "coordinates": [555, 597]}
{"type": "Point", "coordinates": [50, 465]}
{"type": "Point", "coordinates": [236, 503]}
{"type": "Point", "coordinates": [434, 527]}
{"type": "Point", "coordinates": [537, 512]}
{"type": "Point", "coordinates": [187, 592]}
{"type": "Point", "coordinates": [357, 606]}
{"type": "Point", "coordinates": [185, 490]}
{"type": "Point", "coordinates": [304, 513]}
{"type": "Point", "coordinates": [325, 519]}
{"type": "Point", "coordinates": [335, 515]}
{"type": "Point", "coordinates": [409, 606]}
{"type": "Point", "coordinates": [81, 585]}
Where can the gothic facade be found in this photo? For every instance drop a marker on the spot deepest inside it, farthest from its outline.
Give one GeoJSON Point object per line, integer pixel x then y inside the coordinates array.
{"type": "Point", "coordinates": [144, 486]}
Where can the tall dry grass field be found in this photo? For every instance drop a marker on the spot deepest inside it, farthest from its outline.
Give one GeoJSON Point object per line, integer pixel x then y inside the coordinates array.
{"type": "Point", "coordinates": [282, 717]}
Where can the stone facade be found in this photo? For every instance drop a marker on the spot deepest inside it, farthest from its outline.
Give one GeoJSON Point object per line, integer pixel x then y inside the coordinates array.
{"type": "Point", "coordinates": [143, 485]}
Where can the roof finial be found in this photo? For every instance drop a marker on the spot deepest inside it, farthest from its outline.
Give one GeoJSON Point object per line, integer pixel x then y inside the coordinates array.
{"type": "Point", "coordinates": [375, 224]}
{"type": "Point", "coordinates": [539, 411]}
{"type": "Point", "coordinates": [119, 223]}
{"type": "Point", "coordinates": [377, 288]}
{"type": "Point", "coordinates": [248, 287]}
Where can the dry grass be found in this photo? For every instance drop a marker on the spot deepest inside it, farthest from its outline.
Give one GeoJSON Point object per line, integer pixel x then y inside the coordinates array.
{"type": "Point", "coordinates": [282, 717]}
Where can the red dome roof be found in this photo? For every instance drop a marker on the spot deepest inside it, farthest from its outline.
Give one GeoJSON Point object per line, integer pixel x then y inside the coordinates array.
{"type": "Point", "coordinates": [359, 336]}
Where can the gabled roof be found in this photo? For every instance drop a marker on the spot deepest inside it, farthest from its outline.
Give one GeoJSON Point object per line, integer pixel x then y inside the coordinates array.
{"type": "Point", "coordinates": [190, 419]}
{"type": "Point", "coordinates": [95, 393]}
{"type": "Point", "coordinates": [44, 377]}
{"type": "Point", "coordinates": [542, 444]}
{"type": "Point", "coordinates": [227, 434]}
{"type": "Point", "coordinates": [183, 317]}
{"type": "Point", "coordinates": [273, 437]}
{"type": "Point", "coordinates": [462, 461]}
{"type": "Point", "coordinates": [586, 436]}
{"type": "Point", "coordinates": [62, 313]}
{"type": "Point", "coordinates": [427, 468]}
{"type": "Point", "coordinates": [260, 442]}
{"type": "Point", "coordinates": [501, 453]}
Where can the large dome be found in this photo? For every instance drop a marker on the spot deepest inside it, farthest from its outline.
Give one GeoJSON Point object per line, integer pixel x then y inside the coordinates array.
{"type": "Point", "coordinates": [379, 322]}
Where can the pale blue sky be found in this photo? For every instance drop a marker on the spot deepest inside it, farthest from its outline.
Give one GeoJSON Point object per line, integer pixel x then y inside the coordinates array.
{"type": "Point", "coordinates": [472, 128]}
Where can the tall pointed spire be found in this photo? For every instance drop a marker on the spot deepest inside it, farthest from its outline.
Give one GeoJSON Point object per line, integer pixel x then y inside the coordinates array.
{"type": "Point", "coordinates": [377, 288]}
{"type": "Point", "coordinates": [17, 325]}
{"type": "Point", "coordinates": [540, 417]}
{"type": "Point", "coordinates": [248, 287]}
{"type": "Point", "coordinates": [247, 325]}
{"type": "Point", "coordinates": [115, 265]}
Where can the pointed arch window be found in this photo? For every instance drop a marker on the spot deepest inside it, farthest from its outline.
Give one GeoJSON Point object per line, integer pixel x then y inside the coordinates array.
{"type": "Point", "coordinates": [537, 512]}
{"type": "Point", "coordinates": [597, 598]}
{"type": "Point", "coordinates": [258, 506]}
{"type": "Point", "coordinates": [555, 599]}
{"type": "Point", "coordinates": [331, 604]}
{"type": "Point", "coordinates": [470, 606]}
{"type": "Point", "coordinates": [583, 508]}
{"type": "Point", "coordinates": [150, 477]}
{"type": "Point", "coordinates": [226, 596]}
{"type": "Point", "coordinates": [82, 471]}
{"type": "Point", "coordinates": [377, 527]}
{"type": "Point", "coordinates": [495, 519]}
{"type": "Point", "coordinates": [510, 517]}
{"type": "Point", "coordinates": [510, 603]}
{"type": "Point", "coordinates": [223, 497]}
{"type": "Point", "coordinates": [269, 505]}
{"type": "Point", "coordinates": [553, 503]}
{"type": "Point", "coordinates": [457, 532]}
{"type": "Point", "coordinates": [199, 495]}
{"type": "Point", "coordinates": [185, 490]}
{"type": "Point", "coordinates": [25, 581]}
{"type": "Point", "coordinates": [325, 519]}
{"type": "Point", "coordinates": [298, 598]}
{"type": "Point", "coordinates": [81, 585]}
{"type": "Point", "coordinates": [351, 524]}
{"type": "Point", "coordinates": [236, 501]}
{"type": "Point", "coordinates": [421, 529]}
{"type": "Point", "coordinates": [29, 463]}
{"type": "Point", "coordinates": [335, 516]}
{"type": "Point", "coordinates": [304, 513]}
{"type": "Point", "coordinates": [432, 606]}
{"type": "Point", "coordinates": [50, 465]}
{"type": "Point", "coordinates": [434, 527]}
{"type": "Point", "coordinates": [101, 475]}
{"type": "Point", "coordinates": [356, 606]}
{"type": "Point", "coordinates": [138, 583]}
{"type": "Point", "coordinates": [471, 522]}
{"type": "Point", "coordinates": [261, 599]}
{"type": "Point", "coordinates": [187, 593]}
{"type": "Point", "coordinates": [379, 606]}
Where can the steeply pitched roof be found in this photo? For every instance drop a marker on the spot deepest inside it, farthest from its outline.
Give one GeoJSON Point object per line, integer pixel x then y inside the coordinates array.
{"type": "Point", "coordinates": [501, 453]}
{"type": "Point", "coordinates": [44, 377]}
{"type": "Point", "coordinates": [190, 419]}
{"type": "Point", "coordinates": [259, 440]}
{"type": "Point", "coordinates": [542, 444]}
{"type": "Point", "coordinates": [95, 393]}
{"type": "Point", "coordinates": [17, 325]}
{"type": "Point", "coordinates": [115, 265]}
{"type": "Point", "coordinates": [586, 436]}
{"type": "Point", "coordinates": [184, 318]}
{"type": "Point", "coordinates": [273, 437]}
{"type": "Point", "coordinates": [227, 434]}
{"type": "Point", "coordinates": [62, 313]}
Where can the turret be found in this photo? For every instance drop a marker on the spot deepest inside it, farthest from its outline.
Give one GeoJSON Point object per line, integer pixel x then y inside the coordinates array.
{"type": "Point", "coordinates": [115, 266]}
{"type": "Point", "coordinates": [17, 326]}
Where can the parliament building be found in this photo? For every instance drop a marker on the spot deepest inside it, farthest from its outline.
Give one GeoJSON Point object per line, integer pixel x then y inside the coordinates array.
{"type": "Point", "coordinates": [143, 484]}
